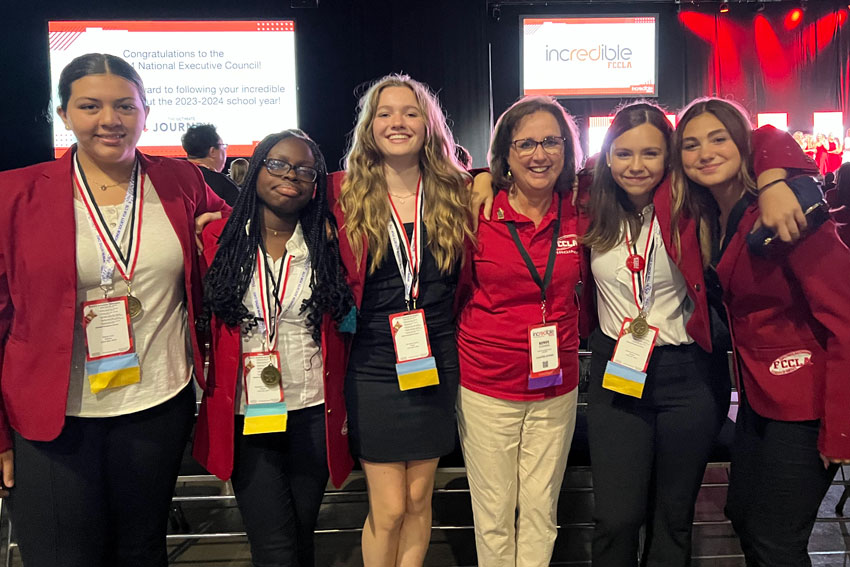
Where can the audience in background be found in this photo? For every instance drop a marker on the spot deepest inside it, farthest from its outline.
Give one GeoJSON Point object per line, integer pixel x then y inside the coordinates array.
{"type": "Point", "coordinates": [839, 201]}
{"type": "Point", "coordinates": [204, 148]}
{"type": "Point", "coordinates": [238, 170]}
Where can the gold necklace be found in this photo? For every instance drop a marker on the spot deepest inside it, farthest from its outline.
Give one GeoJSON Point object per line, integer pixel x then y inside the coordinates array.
{"type": "Point", "coordinates": [104, 187]}
{"type": "Point", "coordinates": [274, 232]}
{"type": "Point", "coordinates": [401, 198]}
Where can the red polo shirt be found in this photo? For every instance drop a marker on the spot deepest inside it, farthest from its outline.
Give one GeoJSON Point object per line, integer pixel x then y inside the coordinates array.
{"type": "Point", "coordinates": [505, 300]}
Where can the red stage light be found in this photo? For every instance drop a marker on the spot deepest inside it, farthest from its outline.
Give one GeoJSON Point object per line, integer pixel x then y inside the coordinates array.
{"type": "Point", "coordinates": [793, 18]}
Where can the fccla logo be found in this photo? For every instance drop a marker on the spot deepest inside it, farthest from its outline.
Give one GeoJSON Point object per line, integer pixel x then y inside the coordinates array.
{"type": "Point", "coordinates": [791, 362]}
{"type": "Point", "coordinates": [567, 244]}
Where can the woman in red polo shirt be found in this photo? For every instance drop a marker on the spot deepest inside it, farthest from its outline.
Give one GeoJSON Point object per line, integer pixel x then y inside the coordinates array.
{"type": "Point", "coordinates": [518, 338]}
{"type": "Point", "coordinates": [788, 313]}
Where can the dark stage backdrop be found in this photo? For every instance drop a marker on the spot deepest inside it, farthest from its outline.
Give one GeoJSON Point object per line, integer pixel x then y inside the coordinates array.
{"type": "Point", "coordinates": [470, 58]}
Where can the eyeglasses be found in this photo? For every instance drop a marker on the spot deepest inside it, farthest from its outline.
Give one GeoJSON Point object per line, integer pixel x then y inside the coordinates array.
{"type": "Point", "coordinates": [280, 168]}
{"type": "Point", "coordinates": [551, 145]}
{"type": "Point", "coordinates": [222, 146]}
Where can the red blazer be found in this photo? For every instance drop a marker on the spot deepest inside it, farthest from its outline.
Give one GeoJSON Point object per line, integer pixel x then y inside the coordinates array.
{"type": "Point", "coordinates": [354, 267]}
{"type": "Point", "coordinates": [788, 315]}
{"type": "Point", "coordinates": [214, 432]}
{"type": "Point", "coordinates": [689, 264]}
{"type": "Point", "coordinates": [38, 283]}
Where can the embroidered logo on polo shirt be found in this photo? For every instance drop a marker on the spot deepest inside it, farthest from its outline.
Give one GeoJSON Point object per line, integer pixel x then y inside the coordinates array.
{"type": "Point", "coordinates": [791, 362]}
{"type": "Point", "coordinates": [568, 244]}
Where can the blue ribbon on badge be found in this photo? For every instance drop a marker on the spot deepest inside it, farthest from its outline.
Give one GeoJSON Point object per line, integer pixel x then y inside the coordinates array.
{"type": "Point", "coordinates": [265, 418]}
{"type": "Point", "coordinates": [623, 380]}
{"type": "Point", "coordinates": [417, 373]}
{"type": "Point", "coordinates": [113, 371]}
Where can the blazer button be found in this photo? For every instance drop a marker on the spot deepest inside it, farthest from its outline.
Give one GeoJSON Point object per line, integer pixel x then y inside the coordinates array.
{"type": "Point", "coordinates": [329, 411]}
{"type": "Point", "coordinates": [697, 287]}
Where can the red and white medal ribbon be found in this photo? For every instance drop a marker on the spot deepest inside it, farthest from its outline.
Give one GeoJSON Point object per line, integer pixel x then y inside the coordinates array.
{"type": "Point", "coordinates": [106, 240]}
{"type": "Point", "coordinates": [645, 299]}
{"type": "Point", "coordinates": [408, 249]}
{"type": "Point", "coordinates": [267, 302]}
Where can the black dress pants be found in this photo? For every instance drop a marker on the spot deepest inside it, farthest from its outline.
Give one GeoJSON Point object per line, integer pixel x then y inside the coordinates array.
{"type": "Point", "coordinates": [99, 494]}
{"type": "Point", "coordinates": [279, 480]}
{"type": "Point", "coordinates": [776, 487]}
{"type": "Point", "coordinates": [648, 455]}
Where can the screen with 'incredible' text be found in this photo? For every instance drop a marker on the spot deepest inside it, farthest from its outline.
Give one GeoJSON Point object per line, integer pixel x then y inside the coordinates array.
{"type": "Point", "coordinates": [237, 75]}
{"type": "Point", "coordinates": [589, 56]}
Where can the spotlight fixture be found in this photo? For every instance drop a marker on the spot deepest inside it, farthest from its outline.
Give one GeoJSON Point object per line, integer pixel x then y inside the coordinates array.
{"type": "Point", "coordinates": [760, 7]}
{"type": "Point", "coordinates": [724, 7]}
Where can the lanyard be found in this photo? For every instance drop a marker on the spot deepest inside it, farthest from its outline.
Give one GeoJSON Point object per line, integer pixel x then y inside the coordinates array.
{"type": "Point", "coordinates": [646, 298]}
{"type": "Point", "coordinates": [543, 284]}
{"type": "Point", "coordinates": [268, 294]}
{"type": "Point", "coordinates": [107, 242]}
{"type": "Point", "coordinates": [412, 249]}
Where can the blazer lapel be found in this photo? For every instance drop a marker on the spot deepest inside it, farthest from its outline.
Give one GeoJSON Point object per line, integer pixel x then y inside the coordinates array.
{"type": "Point", "coordinates": [53, 200]}
{"type": "Point", "coordinates": [735, 249]}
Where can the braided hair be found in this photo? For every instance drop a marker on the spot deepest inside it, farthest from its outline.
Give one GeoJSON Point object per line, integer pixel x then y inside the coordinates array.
{"type": "Point", "coordinates": [232, 268]}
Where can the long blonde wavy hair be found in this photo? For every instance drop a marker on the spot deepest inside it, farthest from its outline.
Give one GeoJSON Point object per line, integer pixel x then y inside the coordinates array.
{"type": "Point", "coordinates": [692, 199]}
{"type": "Point", "coordinates": [363, 196]}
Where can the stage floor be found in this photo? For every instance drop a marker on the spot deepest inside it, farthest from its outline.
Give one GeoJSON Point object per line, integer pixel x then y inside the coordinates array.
{"type": "Point", "coordinates": [206, 508]}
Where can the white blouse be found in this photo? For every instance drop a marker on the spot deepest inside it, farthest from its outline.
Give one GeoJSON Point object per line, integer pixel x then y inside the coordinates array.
{"type": "Point", "coordinates": [615, 294]}
{"type": "Point", "coordinates": [160, 333]}
{"type": "Point", "coordinates": [300, 356]}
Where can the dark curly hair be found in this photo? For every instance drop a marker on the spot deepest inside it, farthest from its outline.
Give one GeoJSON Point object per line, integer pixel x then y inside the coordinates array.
{"type": "Point", "coordinates": [232, 268]}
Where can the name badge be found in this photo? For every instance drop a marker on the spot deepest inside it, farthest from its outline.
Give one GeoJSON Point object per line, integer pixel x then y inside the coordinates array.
{"type": "Point", "coordinates": [415, 366]}
{"type": "Point", "coordinates": [544, 362]}
{"type": "Point", "coordinates": [111, 361]}
{"type": "Point", "coordinates": [265, 411]}
{"type": "Point", "coordinates": [625, 373]}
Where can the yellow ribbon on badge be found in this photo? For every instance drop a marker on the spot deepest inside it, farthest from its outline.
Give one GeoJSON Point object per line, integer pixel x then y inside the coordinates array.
{"type": "Point", "coordinates": [623, 380]}
{"type": "Point", "coordinates": [264, 424]}
{"type": "Point", "coordinates": [417, 373]}
{"type": "Point", "coordinates": [113, 372]}
{"type": "Point", "coordinates": [114, 379]}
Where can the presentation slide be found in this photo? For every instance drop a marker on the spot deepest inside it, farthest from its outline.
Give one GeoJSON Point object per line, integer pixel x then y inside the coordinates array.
{"type": "Point", "coordinates": [236, 75]}
{"type": "Point", "coordinates": [590, 56]}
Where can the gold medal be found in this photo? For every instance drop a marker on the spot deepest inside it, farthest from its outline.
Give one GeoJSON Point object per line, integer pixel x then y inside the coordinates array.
{"type": "Point", "coordinates": [270, 375]}
{"type": "Point", "coordinates": [639, 327]}
{"type": "Point", "coordinates": [134, 306]}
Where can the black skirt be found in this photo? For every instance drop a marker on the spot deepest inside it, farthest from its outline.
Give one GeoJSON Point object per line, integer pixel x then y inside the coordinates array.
{"type": "Point", "coordinates": [386, 424]}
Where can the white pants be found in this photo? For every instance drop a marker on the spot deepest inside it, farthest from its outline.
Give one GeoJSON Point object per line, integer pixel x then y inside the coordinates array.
{"type": "Point", "coordinates": [516, 455]}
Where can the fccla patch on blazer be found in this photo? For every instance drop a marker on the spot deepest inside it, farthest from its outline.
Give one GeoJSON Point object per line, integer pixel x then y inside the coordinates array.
{"type": "Point", "coordinates": [790, 362]}
{"type": "Point", "coordinates": [567, 244]}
